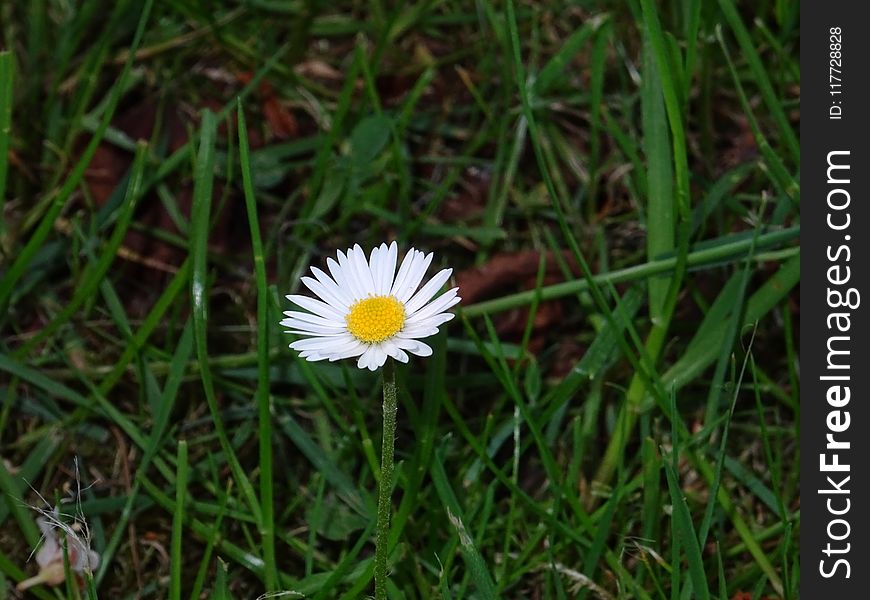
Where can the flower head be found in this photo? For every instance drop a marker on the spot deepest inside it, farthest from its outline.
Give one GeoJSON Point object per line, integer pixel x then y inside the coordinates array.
{"type": "Point", "coordinates": [50, 554]}
{"type": "Point", "coordinates": [369, 310]}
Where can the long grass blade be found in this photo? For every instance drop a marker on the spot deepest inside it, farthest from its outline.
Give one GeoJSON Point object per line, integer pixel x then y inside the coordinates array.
{"type": "Point", "coordinates": [202, 199]}
{"type": "Point", "coordinates": [6, 82]}
{"type": "Point", "coordinates": [474, 561]}
{"type": "Point", "coordinates": [263, 397]}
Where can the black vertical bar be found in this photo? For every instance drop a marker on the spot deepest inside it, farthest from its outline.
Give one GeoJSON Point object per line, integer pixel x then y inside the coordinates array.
{"type": "Point", "coordinates": [835, 350]}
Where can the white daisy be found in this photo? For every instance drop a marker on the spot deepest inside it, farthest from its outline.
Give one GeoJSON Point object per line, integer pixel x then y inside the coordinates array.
{"type": "Point", "coordinates": [368, 310]}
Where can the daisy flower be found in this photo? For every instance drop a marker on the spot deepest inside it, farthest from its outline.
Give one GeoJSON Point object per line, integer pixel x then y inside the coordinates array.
{"type": "Point", "coordinates": [368, 310]}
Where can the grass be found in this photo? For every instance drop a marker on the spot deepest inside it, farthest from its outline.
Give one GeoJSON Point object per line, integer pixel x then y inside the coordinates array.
{"type": "Point", "coordinates": [612, 414]}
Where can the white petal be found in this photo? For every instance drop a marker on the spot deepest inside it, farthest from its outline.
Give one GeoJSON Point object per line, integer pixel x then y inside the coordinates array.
{"type": "Point", "coordinates": [439, 305]}
{"type": "Point", "coordinates": [389, 263]}
{"type": "Point", "coordinates": [312, 318]}
{"type": "Point", "coordinates": [324, 293]}
{"type": "Point", "coordinates": [318, 332]}
{"type": "Point", "coordinates": [331, 284]}
{"type": "Point", "coordinates": [427, 291]}
{"type": "Point", "coordinates": [323, 277]}
{"type": "Point", "coordinates": [366, 359]}
{"type": "Point", "coordinates": [350, 352]}
{"type": "Point", "coordinates": [312, 334]}
{"type": "Point", "coordinates": [422, 349]}
{"type": "Point", "coordinates": [362, 361]}
{"type": "Point", "coordinates": [321, 309]}
{"type": "Point", "coordinates": [358, 286]}
{"type": "Point", "coordinates": [374, 264]}
{"type": "Point", "coordinates": [394, 351]}
{"type": "Point", "coordinates": [326, 288]}
{"type": "Point", "coordinates": [418, 332]}
{"type": "Point", "coordinates": [383, 265]}
{"type": "Point", "coordinates": [415, 276]}
{"type": "Point", "coordinates": [433, 321]}
{"type": "Point", "coordinates": [363, 270]}
{"type": "Point", "coordinates": [347, 344]}
{"type": "Point", "coordinates": [373, 358]}
{"type": "Point", "coordinates": [404, 269]}
{"type": "Point", "coordinates": [341, 279]}
{"type": "Point", "coordinates": [349, 272]}
{"type": "Point", "coordinates": [380, 357]}
{"type": "Point", "coordinates": [314, 344]}
{"type": "Point", "coordinates": [306, 328]}
{"type": "Point", "coordinates": [376, 267]}
{"type": "Point", "coordinates": [404, 343]}
{"type": "Point", "coordinates": [334, 343]}
{"type": "Point", "coordinates": [413, 346]}
{"type": "Point", "coordinates": [426, 327]}
{"type": "Point", "coordinates": [311, 356]}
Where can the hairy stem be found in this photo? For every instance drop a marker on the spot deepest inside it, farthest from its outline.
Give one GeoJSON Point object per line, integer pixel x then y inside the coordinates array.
{"type": "Point", "coordinates": [385, 485]}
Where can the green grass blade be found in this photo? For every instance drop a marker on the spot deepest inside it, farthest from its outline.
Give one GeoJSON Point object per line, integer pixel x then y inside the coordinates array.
{"type": "Point", "coordinates": [660, 213]}
{"type": "Point", "coordinates": [211, 541]}
{"type": "Point", "coordinates": [473, 560]}
{"type": "Point", "coordinates": [149, 324]}
{"type": "Point", "coordinates": [14, 499]}
{"type": "Point", "coordinates": [706, 350]}
{"type": "Point", "coordinates": [263, 397]}
{"type": "Point", "coordinates": [693, 26]}
{"type": "Point", "coordinates": [202, 198]}
{"type": "Point", "coordinates": [685, 531]}
{"type": "Point", "coordinates": [176, 559]}
{"type": "Point", "coordinates": [707, 519]}
{"type": "Point", "coordinates": [731, 332]}
{"type": "Point", "coordinates": [554, 69]}
{"type": "Point", "coordinates": [775, 168]}
{"type": "Point", "coordinates": [723, 582]}
{"type": "Point", "coordinates": [36, 461]}
{"type": "Point", "coordinates": [672, 105]}
{"type": "Point", "coordinates": [726, 249]}
{"type": "Point", "coordinates": [221, 586]}
{"type": "Point", "coordinates": [6, 81]}
{"type": "Point", "coordinates": [760, 74]}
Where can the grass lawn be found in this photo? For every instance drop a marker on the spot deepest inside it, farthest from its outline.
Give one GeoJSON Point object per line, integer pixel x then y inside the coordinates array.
{"type": "Point", "coordinates": [613, 412]}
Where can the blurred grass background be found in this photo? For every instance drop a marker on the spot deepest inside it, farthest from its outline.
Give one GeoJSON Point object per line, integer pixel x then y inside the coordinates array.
{"type": "Point", "coordinates": [615, 412]}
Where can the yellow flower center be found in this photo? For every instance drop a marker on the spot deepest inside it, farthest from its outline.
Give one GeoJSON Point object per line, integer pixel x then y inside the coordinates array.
{"type": "Point", "coordinates": [375, 319]}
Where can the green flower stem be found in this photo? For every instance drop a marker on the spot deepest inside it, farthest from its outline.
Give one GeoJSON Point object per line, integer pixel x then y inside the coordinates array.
{"type": "Point", "coordinates": [385, 485]}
